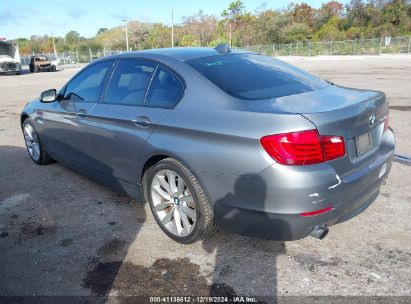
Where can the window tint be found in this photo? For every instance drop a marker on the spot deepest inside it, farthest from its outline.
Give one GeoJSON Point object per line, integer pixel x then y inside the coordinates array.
{"type": "Point", "coordinates": [129, 82]}
{"type": "Point", "coordinates": [251, 76]}
{"type": "Point", "coordinates": [87, 85]}
{"type": "Point", "coordinates": [165, 90]}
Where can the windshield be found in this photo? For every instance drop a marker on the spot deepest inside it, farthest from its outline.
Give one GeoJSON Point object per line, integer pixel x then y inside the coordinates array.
{"type": "Point", "coordinates": [252, 76]}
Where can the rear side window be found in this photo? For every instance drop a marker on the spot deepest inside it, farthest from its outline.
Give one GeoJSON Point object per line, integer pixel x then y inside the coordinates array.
{"type": "Point", "coordinates": [251, 76]}
{"type": "Point", "coordinates": [166, 89]}
{"type": "Point", "coordinates": [87, 85]}
{"type": "Point", "coordinates": [129, 82]}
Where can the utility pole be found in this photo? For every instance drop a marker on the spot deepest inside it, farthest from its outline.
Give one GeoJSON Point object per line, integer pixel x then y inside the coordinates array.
{"type": "Point", "coordinates": [54, 45]}
{"type": "Point", "coordinates": [379, 49]}
{"type": "Point", "coordinates": [230, 35]}
{"type": "Point", "coordinates": [54, 48]}
{"type": "Point", "coordinates": [172, 28]}
{"type": "Point", "coordinates": [125, 25]}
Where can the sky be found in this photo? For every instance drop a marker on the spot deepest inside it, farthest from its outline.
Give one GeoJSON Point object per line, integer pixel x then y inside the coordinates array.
{"type": "Point", "coordinates": [23, 18]}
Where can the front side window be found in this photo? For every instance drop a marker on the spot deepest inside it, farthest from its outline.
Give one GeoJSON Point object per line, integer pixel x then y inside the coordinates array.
{"type": "Point", "coordinates": [87, 85]}
{"type": "Point", "coordinates": [129, 82]}
{"type": "Point", "coordinates": [251, 76]}
{"type": "Point", "coordinates": [166, 89]}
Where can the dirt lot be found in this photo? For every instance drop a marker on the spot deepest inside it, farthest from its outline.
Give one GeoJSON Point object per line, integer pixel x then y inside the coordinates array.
{"type": "Point", "coordinates": [64, 235]}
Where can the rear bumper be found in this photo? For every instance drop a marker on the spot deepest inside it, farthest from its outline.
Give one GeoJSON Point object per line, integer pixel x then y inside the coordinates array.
{"type": "Point", "coordinates": [268, 205]}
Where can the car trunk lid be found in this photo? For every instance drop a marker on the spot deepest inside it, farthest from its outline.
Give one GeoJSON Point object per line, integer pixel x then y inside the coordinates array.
{"type": "Point", "coordinates": [360, 122]}
{"type": "Point", "coordinates": [357, 115]}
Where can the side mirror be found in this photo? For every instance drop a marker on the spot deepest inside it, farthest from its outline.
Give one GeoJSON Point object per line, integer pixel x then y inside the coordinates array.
{"type": "Point", "coordinates": [48, 96]}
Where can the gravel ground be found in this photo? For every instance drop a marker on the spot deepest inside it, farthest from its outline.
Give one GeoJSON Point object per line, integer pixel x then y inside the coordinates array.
{"type": "Point", "coordinates": [64, 235]}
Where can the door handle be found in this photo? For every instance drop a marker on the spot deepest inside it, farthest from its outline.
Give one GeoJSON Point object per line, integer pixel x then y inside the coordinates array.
{"type": "Point", "coordinates": [81, 113]}
{"type": "Point", "coordinates": [141, 121]}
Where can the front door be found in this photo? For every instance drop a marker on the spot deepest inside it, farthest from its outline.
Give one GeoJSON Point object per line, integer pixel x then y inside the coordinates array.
{"type": "Point", "coordinates": [66, 122]}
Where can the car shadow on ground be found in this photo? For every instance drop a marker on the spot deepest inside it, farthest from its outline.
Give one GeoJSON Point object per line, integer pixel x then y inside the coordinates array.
{"type": "Point", "coordinates": [22, 72]}
{"type": "Point", "coordinates": [60, 233]}
{"type": "Point", "coordinates": [245, 263]}
{"type": "Point", "coordinates": [73, 236]}
{"type": "Point", "coordinates": [25, 71]}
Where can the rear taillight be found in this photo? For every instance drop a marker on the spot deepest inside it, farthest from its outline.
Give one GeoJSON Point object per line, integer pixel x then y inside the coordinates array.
{"type": "Point", "coordinates": [386, 123]}
{"type": "Point", "coordinates": [333, 147]}
{"type": "Point", "coordinates": [303, 148]}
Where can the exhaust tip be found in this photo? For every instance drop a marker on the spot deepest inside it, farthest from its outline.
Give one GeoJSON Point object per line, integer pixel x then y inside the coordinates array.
{"type": "Point", "coordinates": [319, 232]}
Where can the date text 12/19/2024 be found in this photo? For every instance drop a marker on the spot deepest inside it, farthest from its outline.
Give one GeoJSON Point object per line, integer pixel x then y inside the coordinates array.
{"type": "Point", "coordinates": [200, 299]}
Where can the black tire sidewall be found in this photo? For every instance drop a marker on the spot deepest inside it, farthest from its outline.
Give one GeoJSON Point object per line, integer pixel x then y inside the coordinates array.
{"type": "Point", "coordinates": [197, 231]}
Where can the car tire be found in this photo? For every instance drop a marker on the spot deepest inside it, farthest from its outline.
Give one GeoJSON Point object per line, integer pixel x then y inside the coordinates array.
{"type": "Point", "coordinates": [53, 68]}
{"type": "Point", "coordinates": [187, 206]}
{"type": "Point", "coordinates": [33, 144]}
{"type": "Point", "coordinates": [36, 69]}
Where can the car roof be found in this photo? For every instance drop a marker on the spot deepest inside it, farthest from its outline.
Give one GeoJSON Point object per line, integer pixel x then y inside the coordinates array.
{"type": "Point", "coordinates": [179, 53]}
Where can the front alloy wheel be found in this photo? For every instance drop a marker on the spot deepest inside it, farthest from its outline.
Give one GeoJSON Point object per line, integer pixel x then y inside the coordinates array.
{"type": "Point", "coordinates": [33, 144]}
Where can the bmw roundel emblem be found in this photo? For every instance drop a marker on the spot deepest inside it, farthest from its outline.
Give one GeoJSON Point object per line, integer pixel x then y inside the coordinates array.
{"type": "Point", "coordinates": [372, 119]}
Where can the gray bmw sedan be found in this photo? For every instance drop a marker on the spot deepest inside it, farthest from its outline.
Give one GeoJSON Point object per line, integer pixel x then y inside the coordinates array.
{"type": "Point", "coordinates": [214, 137]}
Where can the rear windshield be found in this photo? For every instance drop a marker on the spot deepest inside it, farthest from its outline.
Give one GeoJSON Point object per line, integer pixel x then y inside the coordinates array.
{"type": "Point", "coordinates": [252, 76]}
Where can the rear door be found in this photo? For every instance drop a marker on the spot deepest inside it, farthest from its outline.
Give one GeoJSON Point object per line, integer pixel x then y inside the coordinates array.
{"type": "Point", "coordinates": [139, 94]}
{"type": "Point", "coordinates": [67, 121]}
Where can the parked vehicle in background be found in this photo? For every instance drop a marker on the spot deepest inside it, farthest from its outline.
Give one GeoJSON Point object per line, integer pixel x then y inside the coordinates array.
{"type": "Point", "coordinates": [41, 63]}
{"type": "Point", "coordinates": [67, 60]}
{"type": "Point", "coordinates": [55, 63]}
{"type": "Point", "coordinates": [10, 62]}
{"type": "Point", "coordinates": [210, 136]}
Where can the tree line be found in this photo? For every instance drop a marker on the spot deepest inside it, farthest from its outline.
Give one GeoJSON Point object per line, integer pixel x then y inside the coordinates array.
{"type": "Point", "coordinates": [294, 23]}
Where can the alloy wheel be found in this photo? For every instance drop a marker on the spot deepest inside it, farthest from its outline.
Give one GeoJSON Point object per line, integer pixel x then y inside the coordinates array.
{"type": "Point", "coordinates": [173, 203]}
{"type": "Point", "coordinates": [32, 142]}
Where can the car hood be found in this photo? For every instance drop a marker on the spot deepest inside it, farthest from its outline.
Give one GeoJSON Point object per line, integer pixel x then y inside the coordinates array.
{"type": "Point", "coordinates": [327, 99]}
{"type": "Point", "coordinates": [5, 58]}
{"type": "Point", "coordinates": [10, 51]}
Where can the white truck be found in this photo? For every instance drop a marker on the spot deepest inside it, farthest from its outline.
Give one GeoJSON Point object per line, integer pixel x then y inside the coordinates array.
{"type": "Point", "coordinates": [10, 62]}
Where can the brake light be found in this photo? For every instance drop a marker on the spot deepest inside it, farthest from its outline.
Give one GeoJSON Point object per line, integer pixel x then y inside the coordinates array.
{"type": "Point", "coordinates": [386, 123]}
{"type": "Point", "coordinates": [303, 148]}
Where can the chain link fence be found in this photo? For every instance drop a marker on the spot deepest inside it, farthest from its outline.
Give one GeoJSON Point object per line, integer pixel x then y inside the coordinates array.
{"type": "Point", "coordinates": [72, 58]}
{"type": "Point", "coordinates": [376, 46]}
